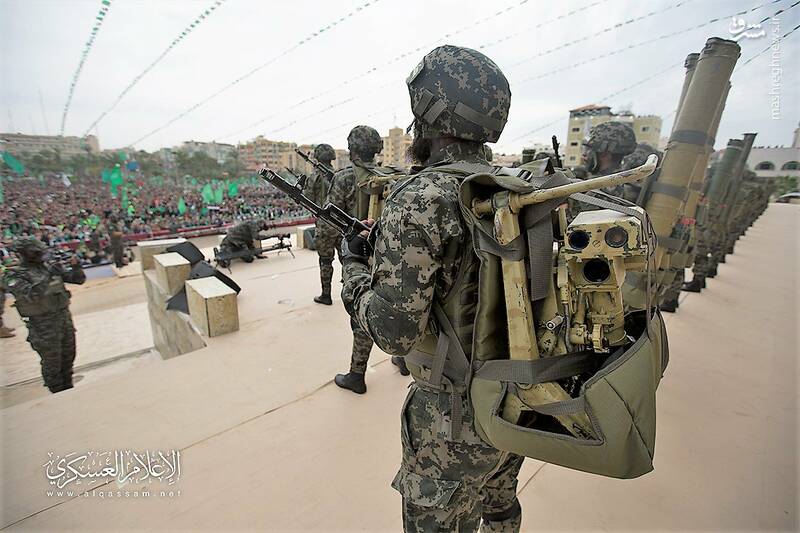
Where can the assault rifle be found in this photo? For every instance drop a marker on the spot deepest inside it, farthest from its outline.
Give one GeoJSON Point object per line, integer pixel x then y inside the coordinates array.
{"type": "Point", "coordinates": [559, 164]}
{"type": "Point", "coordinates": [345, 224]}
{"type": "Point", "coordinates": [302, 179]}
{"type": "Point", "coordinates": [321, 167]}
{"type": "Point", "coordinates": [224, 259]}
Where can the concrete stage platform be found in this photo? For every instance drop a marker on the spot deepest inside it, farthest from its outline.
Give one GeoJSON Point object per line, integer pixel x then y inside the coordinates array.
{"type": "Point", "coordinates": [267, 442]}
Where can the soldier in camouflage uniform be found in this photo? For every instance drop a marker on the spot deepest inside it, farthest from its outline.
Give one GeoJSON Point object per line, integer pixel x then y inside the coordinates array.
{"type": "Point", "coordinates": [43, 302]}
{"type": "Point", "coordinates": [117, 230]}
{"type": "Point", "coordinates": [240, 237]}
{"type": "Point", "coordinates": [363, 142]}
{"type": "Point", "coordinates": [635, 159]}
{"type": "Point", "coordinates": [603, 151]}
{"type": "Point", "coordinates": [450, 479]}
{"type": "Point", "coordinates": [326, 239]}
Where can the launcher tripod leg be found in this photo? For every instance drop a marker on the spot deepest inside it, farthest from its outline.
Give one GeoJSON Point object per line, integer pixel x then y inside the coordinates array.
{"type": "Point", "coordinates": [522, 336]}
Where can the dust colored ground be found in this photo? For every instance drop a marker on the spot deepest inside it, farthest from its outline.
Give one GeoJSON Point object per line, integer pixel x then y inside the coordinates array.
{"type": "Point", "coordinates": [267, 442]}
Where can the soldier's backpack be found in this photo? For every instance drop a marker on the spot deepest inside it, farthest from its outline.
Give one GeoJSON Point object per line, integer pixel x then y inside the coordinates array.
{"type": "Point", "coordinates": [374, 183]}
{"type": "Point", "coordinates": [616, 391]}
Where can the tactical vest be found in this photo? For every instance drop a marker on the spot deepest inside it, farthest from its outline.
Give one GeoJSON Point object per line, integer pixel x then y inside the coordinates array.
{"type": "Point", "coordinates": [373, 184]}
{"type": "Point", "coordinates": [55, 298]}
{"type": "Point", "coordinates": [464, 354]}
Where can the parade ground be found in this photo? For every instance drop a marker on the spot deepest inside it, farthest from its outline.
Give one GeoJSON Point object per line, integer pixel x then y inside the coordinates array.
{"type": "Point", "coordinates": [267, 442]}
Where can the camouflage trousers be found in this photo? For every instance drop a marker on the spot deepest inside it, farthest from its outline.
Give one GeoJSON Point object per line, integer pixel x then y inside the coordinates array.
{"type": "Point", "coordinates": [452, 485]}
{"type": "Point", "coordinates": [52, 336]}
{"type": "Point", "coordinates": [327, 241]}
{"type": "Point", "coordinates": [118, 251]}
{"type": "Point", "coordinates": [230, 246]}
{"type": "Point", "coordinates": [362, 347]}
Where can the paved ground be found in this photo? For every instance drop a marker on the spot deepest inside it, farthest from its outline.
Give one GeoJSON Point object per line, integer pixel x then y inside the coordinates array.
{"type": "Point", "coordinates": [268, 443]}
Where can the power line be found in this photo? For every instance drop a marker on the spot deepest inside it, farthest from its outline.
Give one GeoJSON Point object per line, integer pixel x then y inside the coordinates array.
{"type": "Point", "coordinates": [528, 29]}
{"type": "Point", "coordinates": [409, 53]}
{"type": "Point", "coordinates": [177, 40]}
{"type": "Point", "coordinates": [607, 29]}
{"type": "Point", "coordinates": [674, 65]}
{"type": "Point", "coordinates": [258, 68]}
{"type": "Point", "coordinates": [607, 97]}
{"type": "Point", "coordinates": [100, 18]}
{"type": "Point", "coordinates": [650, 41]}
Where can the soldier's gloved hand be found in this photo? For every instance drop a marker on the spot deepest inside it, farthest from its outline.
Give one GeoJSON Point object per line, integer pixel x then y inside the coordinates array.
{"type": "Point", "coordinates": [359, 247]}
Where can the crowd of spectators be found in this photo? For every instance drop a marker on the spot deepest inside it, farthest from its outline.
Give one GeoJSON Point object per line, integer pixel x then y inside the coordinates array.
{"type": "Point", "coordinates": [60, 210]}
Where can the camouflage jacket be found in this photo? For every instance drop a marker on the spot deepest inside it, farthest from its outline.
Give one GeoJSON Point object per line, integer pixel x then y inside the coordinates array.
{"type": "Point", "coordinates": [244, 233]}
{"type": "Point", "coordinates": [343, 190]}
{"type": "Point", "coordinates": [33, 284]}
{"type": "Point", "coordinates": [418, 252]}
{"type": "Point", "coordinates": [317, 188]}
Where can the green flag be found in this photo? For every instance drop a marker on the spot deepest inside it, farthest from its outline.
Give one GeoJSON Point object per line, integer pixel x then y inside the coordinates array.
{"type": "Point", "coordinates": [106, 175]}
{"type": "Point", "coordinates": [219, 196]}
{"type": "Point", "coordinates": [233, 189]}
{"type": "Point", "coordinates": [13, 163]}
{"type": "Point", "coordinates": [181, 206]}
{"type": "Point", "coordinates": [131, 210]}
{"type": "Point", "coordinates": [122, 156]}
{"type": "Point", "coordinates": [207, 193]}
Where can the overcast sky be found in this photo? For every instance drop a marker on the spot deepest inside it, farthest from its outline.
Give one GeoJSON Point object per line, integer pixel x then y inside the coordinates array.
{"type": "Point", "coordinates": [41, 42]}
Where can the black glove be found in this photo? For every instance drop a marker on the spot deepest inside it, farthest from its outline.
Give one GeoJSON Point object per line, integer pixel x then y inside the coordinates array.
{"type": "Point", "coordinates": [356, 249]}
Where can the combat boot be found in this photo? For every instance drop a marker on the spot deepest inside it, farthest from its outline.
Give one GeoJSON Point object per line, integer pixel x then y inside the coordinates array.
{"type": "Point", "coordinates": [351, 381]}
{"type": "Point", "coordinates": [400, 363]}
{"type": "Point", "coordinates": [670, 306]}
{"type": "Point", "coordinates": [325, 297]}
{"type": "Point", "coordinates": [6, 333]}
{"type": "Point", "coordinates": [712, 272]}
{"type": "Point", "coordinates": [693, 286]}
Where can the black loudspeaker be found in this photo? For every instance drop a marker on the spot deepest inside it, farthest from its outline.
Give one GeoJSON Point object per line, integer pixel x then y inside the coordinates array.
{"type": "Point", "coordinates": [188, 251]}
{"type": "Point", "coordinates": [200, 270]}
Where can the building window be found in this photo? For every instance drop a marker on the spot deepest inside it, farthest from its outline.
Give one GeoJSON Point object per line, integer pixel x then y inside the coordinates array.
{"type": "Point", "coordinates": [645, 128]}
{"type": "Point", "coordinates": [572, 158]}
{"type": "Point", "coordinates": [791, 165]}
{"type": "Point", "coordinates": [765, 165]}
{"type": "Point", "coordinates": [574, 143]}
{"type": "Point", "coordinates": [576, 129]}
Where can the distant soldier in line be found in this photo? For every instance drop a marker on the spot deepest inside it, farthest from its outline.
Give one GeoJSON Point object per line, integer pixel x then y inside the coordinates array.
{"type": "Point", "coordinates": [42, 301]}
{"type": "Point", "coordinates": [603, 151]}
{"type": "Point", "coordinates": [363, 142]}
{"type": "Point", "coordinates": [240, 237]}
{"type": "Point", "coordinates": [326, 239]}
{"type": "Point", "coordinates": [635, 159]}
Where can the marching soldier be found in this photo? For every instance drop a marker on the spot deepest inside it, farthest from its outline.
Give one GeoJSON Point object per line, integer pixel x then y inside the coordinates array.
{"type": "Point", "coordinates": [43, 302]}
{"type": "Point", "coordinates": [450, 479]}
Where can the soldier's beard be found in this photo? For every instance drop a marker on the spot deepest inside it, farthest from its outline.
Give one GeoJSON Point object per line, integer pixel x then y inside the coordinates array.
{"type": "Point", "coordinates": [420, 150]}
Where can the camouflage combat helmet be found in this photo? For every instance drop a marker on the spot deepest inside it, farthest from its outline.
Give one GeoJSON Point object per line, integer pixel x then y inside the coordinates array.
{"type": "Point", "coordinates": [364, 141]}
{"type": "Point", "coordinates": [29, 245]}
{"type": "Point", "coordinates": [638, 157]}
{"type": "Point", "coordinates": [324, 152]}
{"type": "Point", "coordinates": [458, 92]}
{"type": "Point", "coordinates": [612, 137]}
